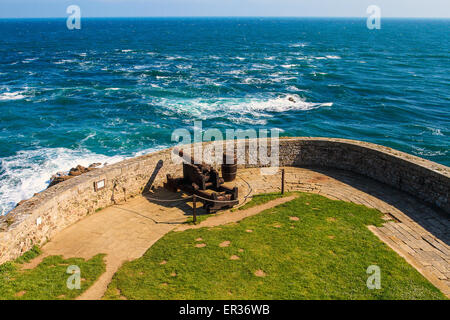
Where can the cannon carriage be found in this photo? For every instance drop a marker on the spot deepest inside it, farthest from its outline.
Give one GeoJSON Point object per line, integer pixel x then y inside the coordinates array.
{"type": "Point", "coordinates": [204, 181]}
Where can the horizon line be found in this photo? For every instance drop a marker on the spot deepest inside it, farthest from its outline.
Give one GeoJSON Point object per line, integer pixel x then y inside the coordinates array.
{"type": "Point", "coordinates": [277, 17]}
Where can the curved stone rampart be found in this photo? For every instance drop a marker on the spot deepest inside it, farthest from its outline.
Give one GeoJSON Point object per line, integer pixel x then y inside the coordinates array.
{"type": "Point", "coordinates": [40, 218]}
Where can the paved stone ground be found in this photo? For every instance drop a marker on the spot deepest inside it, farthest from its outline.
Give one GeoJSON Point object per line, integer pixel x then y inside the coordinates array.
{"type": "Point", "coordinates": [124, 232]}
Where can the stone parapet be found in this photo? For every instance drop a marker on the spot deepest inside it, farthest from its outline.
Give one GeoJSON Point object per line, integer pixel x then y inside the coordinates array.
{"type": "Point", "coordinates": [41, 217]}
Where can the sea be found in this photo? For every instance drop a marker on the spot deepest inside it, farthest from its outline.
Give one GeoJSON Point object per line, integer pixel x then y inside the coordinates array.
{"type": "Point", "coordinates": [118, 88]}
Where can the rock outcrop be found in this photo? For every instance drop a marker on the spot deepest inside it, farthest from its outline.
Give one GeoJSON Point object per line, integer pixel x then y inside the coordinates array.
{"type": "Point", "coordinates": [78, 170]}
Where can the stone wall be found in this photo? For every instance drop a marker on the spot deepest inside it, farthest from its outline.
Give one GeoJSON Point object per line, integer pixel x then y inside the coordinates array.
{"type": "Point", "coordinates": [40, 218]}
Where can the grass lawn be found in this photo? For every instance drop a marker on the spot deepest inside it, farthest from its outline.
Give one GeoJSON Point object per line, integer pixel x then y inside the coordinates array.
{"type": "Point", "coordinates": [308, 248]}
{"type": "Point", "coordinates": [256, 200]}
{"type": "Point", "coordinates": [48, 280]}
{"type": "Point", "coordinates": [263, 198]}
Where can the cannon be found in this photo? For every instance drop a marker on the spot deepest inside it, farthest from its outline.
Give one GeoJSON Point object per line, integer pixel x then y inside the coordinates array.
{"type": "Point", "coordinates": [204, 181]}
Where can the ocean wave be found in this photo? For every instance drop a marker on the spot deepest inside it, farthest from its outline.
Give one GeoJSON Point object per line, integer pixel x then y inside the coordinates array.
{"type": "Point", "coordinates": [64, 61]}
{"type": "Point", "coordinates": [435, 131]}
{"type": "Point", "coordinates": [298, 45]}
{"type": "Point", "coordinates": [423, 152]}
{"type": "Point", "coordinates": [175, 57]}
{"type": "Point", "coordinates": [142, 67]}
{"type": "Point", "coordinates": [326, 57]}
{"type": "Point", "coordinates": [238, 110]}
{"type": "Point", "coordinates": [294, 88]}
{"type": "Point", "coordinates": [12, 96]}
{"type": "Point", "coordinates": [277, 104]}
{"type": "Point", "coordinates": [29, 172]}
{"type": "Point", "coordinates": [29, 60]}
{"type": "Point", "coordinates": [234, 72]}
{"type": "Point", "coordinates": [288, 66]}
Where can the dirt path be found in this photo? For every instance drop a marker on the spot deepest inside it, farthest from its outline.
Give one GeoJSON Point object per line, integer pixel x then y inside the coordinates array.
{"type": "Point", "coordinates": [122, 232]}
{"type": "Point", "coordinates": [229, 217]}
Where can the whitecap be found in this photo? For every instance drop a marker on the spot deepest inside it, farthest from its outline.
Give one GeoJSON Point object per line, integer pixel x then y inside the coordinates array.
{"type": "Point", "coordinates": [142, 67]}
{"type": "Point", "coordinates": [29, 60]}
{"type": "Point", "coordinates": [294, 88]}
{"type": "Point", "coordinates": [64, 61]}
{"type": "Point", "coordinates": [176, 57]}
{"type": "Point", "coordinates": [427, 153]}
{"type": "Point", "coordinates": [91, 135]}
{"type": "Point", "coordinates": [251, 80]}
{"type": "Point", "coordinates": [238, 110]}
{"type": "Point", "coordinates": [12, 96]}
{"type": "Point", "coordinates": [298, 45]}
{"type": "Point", "coordinates": [234, 72]}
{"type": "Point", "coordinates": [435, 131]}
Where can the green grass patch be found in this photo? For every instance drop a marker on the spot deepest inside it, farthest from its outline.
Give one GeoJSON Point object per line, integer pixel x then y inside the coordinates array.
{"type": "Point", "coordinates": [48, 281]}
{"type": "Point", "coordinates": [323, 255]}
{"type": "Point", "coordinates": [29, 255]}
{"type": "Point", "coordinates": [263, 198]}
{"type": "Point", "coordinates": [256, 200]}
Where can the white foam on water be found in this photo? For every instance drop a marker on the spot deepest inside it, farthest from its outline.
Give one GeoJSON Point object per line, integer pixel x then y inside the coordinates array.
{"type": "Point", "coordinates": [279, 104]}
{"type": "Point", "coordinates": [238, 110]}
{"type": "Point", "coordinates": [29, 172]}
{"type": "Point", "coordinates": [251, 80]}
{"type": "Point", "coordinates": [175, 57]}
{"type": "Point", "coordinates": [288, 66]}
{"type": "Point", "coordinates": [234, 72]}
{"type": "Point", "coordinates": [298, 45]}
{"type": "Point", "coordinates": [64, 61]}
{"type": "Point", "coordinates": [29, 60]}
{"type": "Point", "coordinates": [435, 131]}
{"type": "Point", "coordinates": [423, 152]}
{"type": "Point", "coordinates": [5, 96]}
{"type": "Point", "coordinates": [262, 66]}
{"type": "Point", "coordinates": [326, 57]}
{"type": "Point", "coordinates": [142, 67]}
{"type": "Point", "coordinates": [294, 88]}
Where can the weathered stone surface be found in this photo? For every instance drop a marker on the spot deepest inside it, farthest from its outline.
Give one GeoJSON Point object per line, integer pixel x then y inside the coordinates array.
{"type": "Point", "coordinates": [67, 202]}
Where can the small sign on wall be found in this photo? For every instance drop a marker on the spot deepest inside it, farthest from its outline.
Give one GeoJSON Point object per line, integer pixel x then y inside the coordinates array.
{"type": "Point", "coordinates": [99, 185]}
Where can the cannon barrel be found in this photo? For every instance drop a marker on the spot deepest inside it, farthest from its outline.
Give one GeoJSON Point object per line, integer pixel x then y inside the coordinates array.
{"type": "Point", "coordinates": [203, 166]}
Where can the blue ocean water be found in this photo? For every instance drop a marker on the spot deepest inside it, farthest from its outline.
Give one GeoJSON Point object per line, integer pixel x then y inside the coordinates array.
{"type": "Point", "coordinates": [119, 87]}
